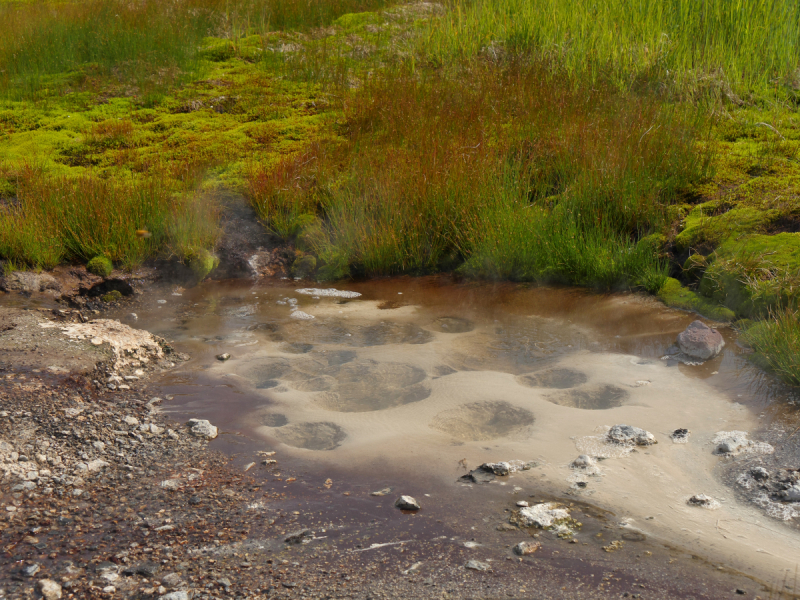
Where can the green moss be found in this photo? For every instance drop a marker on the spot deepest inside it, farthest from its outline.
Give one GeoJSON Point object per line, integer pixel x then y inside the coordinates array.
{"type": "Point", "coordinates": [100, 266]}
{"type": "Point", "coordinates": [304, 266]}
{"type": "Point", "coordinates": [675, 295]}
{"type": "Point", "coordinates": [694, 266]}
{"type": "Point", "coordinates": [202, 263]}
{"type": "Point", "coordinates": [755, 274]}
{"type": "Point", "coordinates": [112, 296]}
{"type": "Point", "coordinates": [709, 231]}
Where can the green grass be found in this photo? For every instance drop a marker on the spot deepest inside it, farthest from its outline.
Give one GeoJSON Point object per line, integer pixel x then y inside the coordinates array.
{"type": "Point", "coordinates": [54, 219]}
{"type": "Point", "coordinates": [436, 174]}
{"type": "Point", "coordinates": [727, 47]}
{"type": "Point", "coordinates": [777, 342]}
{"type": "Point", "coordinates": [138, 47]}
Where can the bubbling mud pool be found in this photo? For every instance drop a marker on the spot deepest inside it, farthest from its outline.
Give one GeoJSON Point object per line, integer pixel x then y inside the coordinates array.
{"type": "Point", "coordinates": [415, 376]}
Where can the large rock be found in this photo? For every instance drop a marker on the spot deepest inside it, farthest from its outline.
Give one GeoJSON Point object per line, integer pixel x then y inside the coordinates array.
{"type": "Point", "coordinates": [25, 281]}
{"type": "Point", "coordinates": [700, 341]}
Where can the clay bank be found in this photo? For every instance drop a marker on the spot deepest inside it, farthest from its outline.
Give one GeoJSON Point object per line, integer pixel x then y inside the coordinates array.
{"type": "Point", "coordinates": [443, 432]}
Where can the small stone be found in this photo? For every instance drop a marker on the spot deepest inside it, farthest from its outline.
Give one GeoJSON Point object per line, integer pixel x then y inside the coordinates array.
{"type": "Point", "coordinates": [109, 589]}
{"type": "Point", "coordinates": [302, 536]}
{"type": "Point", "coordinates": [171, 580]}
{"type": "Point", "coordinates": [202, 428]}
{"type": "Point", "coordinates": [703, 501]}
{"type": "Point", "coordinates": [526, 548]}
{"type": "Point", "coordinates": [583, 462]}
{"type": "Point", "coordinates": [522, 504]}
{"type": "Point", "coordinates": [147, 569]}
{"type": "Point", "coordinates": [626, 434]}
{"type": "Point", "coordinates": [700, 341]}
{"type": "Point", "coordinates": [99, 446]}
{"type": "Point", "coordinates": [383, 492]}
{"type": "Point", "coordinates": [96, 465]}
{"type": "Point", "coordinates": [680, 436]}
{"type": "Point", "coordinates": [132, 421]}
{"type": "Point", "coordinates": [499, 468]}
{"type": "Point", "coordinates": [223, 357]}
{"type": "Point", "coordinates": [96, 341]}
{"type": "Point", "coordinates": [171, 484]}
{"type": "Point", "coordinates": [759, 474]}
{"type": "Point", "coordinates": [224, 582]}
{"type": "Point", "coordinates": [791, 494]}
{"type": "Point", "coordinates": [31, 570]}
{"type": "Point", "coordinates": [476, 565]}
{"type": "Point", "coordinates": [542, 515]}
{"type": "Point", "coordinates": [407, 503]}
{"type": "Point", "coordinates": [49, 589]}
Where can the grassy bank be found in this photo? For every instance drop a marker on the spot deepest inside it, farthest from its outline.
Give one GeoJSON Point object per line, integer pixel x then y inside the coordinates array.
{"type": "Point", "coordinates": [501, 172]}
{"type": "Point", "coordinates": [623, 145]}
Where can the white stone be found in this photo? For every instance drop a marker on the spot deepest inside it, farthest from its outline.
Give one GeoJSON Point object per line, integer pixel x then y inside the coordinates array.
{"type": "Point", "coordinates": [542, 515]}
{"type": "Point", "coordinates": [202, 428]}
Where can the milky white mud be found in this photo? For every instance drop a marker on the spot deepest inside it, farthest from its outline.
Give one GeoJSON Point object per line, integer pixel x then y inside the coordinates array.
{"type": "Point", "coordinates": [393, 390]}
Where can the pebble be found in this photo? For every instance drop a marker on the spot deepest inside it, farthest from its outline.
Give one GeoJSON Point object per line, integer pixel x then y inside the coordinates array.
{"type": "Point", "coordinates": [175, 596]}
{"type": "Point", "coordinates": [49, 589]}
{"type": "Point", "coordinates": [132, 421]}
{"type": "Point", "coordinates": [223, 357]}
{"type": "Point", "coordinates": [202, 428]}
{"type": "Point", "coordinates": [301, 536]}
{"type": "Point", "coordinates": [476, 565]}
{"type": "Point", "coordinates": [407, 503]}
{"type": "Point", "coordinates": [526, 548]}
{"type": "Point", "coordinates": [31, 570]}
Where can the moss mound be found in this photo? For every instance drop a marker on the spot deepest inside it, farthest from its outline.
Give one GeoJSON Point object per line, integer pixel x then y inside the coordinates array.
{"type": "Point", "coordinates": [202, 263]}
{"type": "Point", "coordinates": [112, 296]}
{"type": "Point", "coordinates": [675, 295]}
{"type": "Point", "coordinates": [100, 266]}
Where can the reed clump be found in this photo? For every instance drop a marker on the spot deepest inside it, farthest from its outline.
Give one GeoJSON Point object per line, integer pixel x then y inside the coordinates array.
{"type": "Point", "coordinates": [55, 219]}
{"type": "Point", "coordinates": [500, 172]}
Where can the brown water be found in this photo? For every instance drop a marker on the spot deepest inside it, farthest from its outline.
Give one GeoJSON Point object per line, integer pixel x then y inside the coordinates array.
{"type": "Point", "coordinates": [417, 377]}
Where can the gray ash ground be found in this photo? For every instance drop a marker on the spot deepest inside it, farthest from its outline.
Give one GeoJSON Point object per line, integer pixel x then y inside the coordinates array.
{"type": "Point", "coordinates": [167, 514]}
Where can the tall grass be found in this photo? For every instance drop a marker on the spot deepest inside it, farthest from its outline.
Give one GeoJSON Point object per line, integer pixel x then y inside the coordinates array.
{"type": "Point", "coordinates": [777, 341]}
{"type": "Point", "coordinates": [504, 171]}
{"type": "Point", "coordinates": [147, 43]}
{"type": "Point", "coordinates": [739, 43]}
{"type": "Point", "coordinates": [54, 219]}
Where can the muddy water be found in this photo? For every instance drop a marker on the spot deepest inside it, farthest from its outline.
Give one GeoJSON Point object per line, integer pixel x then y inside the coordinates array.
{"type": "Point", "coordinates": [416, 378]}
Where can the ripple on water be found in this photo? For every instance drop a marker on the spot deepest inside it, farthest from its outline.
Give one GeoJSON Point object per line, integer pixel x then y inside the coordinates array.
{"type": "Point", "coordinates": [312, 436]}
{"type": "Point", "coordinates": [485, 420]}
{"type": "Point", "coordinates": [553, 378]}
{"type": "Point", "coordinates": [593, 398]}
